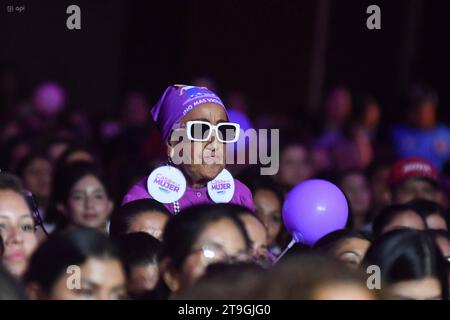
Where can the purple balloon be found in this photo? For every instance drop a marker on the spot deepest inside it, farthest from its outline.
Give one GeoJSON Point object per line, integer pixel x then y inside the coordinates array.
{"type": "Point", "coordinates": [313, 209]}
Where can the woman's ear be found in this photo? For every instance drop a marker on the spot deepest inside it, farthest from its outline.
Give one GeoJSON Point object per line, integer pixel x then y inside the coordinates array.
{"type": "Point", "coordinates": [170, 276]}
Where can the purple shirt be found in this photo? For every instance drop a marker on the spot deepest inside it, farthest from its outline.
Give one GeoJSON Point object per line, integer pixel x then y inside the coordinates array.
{"type": "Point", "coordinates": [242, 196]}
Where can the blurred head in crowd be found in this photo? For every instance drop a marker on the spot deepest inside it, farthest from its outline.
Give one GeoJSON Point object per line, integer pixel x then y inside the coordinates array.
{"type": "Point", "coordinates": [139, 253]}
{"type": "Point", "coordinates": [76, 264]}
{"type": "Point", "coordinates": [256, 232]}
{"type": "Point", "coordinates": [378, 175]}
{"type": "Point", "coordinates": [295, 165]}
{"type": "Point", "coordinates": [356, 188]}
{"type": "Point", "coordinates": [345, 245]}
{"type": "Point", "coordinates": [434, 214]}
{"type": "Point", "coordinates": [398, 216]}
{"type": "Point", "coordinates": [35, 170]}
{"type": "Point", "coordinates": [268, 200]}
{"type": "Point", "coordinates": [338, 106]}
{"type": "Point", "coordinates": [135, 110]}
{"type": "Point", "coordinates": [75, 153]}
{"type": "Point", "coordinates": [17, 226]}
{"type": "Point", "coordinates": [81, 196]}
{"type": "Point", "coordinates": [422, 106]}
{"type": "Point", "coordinates": [49, 99]}
{"type": "Point", "coordinates": [200, 236]}
{"type": "Point", "coordinates": [414, 178]}
{"type": "Point", "coordinates": [315, 277]}
{"type": "Point", "coordinates": [146, 215]}
{"type": "Point", "coordinates": [411, 265]}
{"type": "Point", "coordinates": [369, 113]}
{"type": "Point", "coordinates": [223, 281]}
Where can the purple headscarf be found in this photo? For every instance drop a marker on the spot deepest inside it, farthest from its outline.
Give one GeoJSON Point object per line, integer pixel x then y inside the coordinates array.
{"type": "Point", "coordinates": [176, 102]}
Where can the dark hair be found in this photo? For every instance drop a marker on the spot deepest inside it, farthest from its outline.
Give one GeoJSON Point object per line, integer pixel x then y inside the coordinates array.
{"type": "Point", "coordinates": [407, 254]}
{"type": "Point", "coordinates": [183, 230]}
{"type": "Point", "coordinates": [10, 182]}
{"type": "Point", "coordinates": [63, 181]}
{"type": "Point", "coordinates": [137, 249]}
{"type": "Point", "coordinates": [73, 246]}
{"type": "Point", "coordinates": [264, 183]}
{"type": "Point", "coordinates": [122, 217]}
{"type": "Point", "coordinates": [333, 239]}
{"type": "Point", "coordinates": [419, 93]}
{"type": "Point", "coordinates": [426, 208]}
{"type": "Point", "coordinates": [388, 214]}
{"type": "Point", "coordinates": [62, 160]}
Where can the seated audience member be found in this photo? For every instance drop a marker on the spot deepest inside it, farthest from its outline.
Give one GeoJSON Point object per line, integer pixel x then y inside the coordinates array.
{"type": "Point", "coordinates": [345, 245]}
{"type": "Point", "coordinates": [76, 264]}
{"type": "Point", "coordinates": [139, 253]}
{"type": "Point", "coordinates": [81, 198]}
{"type": "Point", "coordinates": [414, 178]}
{"type": "Point", "coordinates": [398, 216]}
{"type": "Point", "coordinates": [434, 214]}
{"type": "Point", "coordinates": [17, 225]}
{"type": "Point", "coordinates": [314, 277]}
{"type": "Point", "coordinates": [411, 264]}
{"type": "Point", "coordinates": [145, 215]}
{"type": "Point", "coordinates": [196, 238]}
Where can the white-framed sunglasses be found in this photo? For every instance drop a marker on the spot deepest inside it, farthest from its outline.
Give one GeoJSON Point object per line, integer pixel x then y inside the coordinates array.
{"type": "Point", "coordinates": [198, 130]}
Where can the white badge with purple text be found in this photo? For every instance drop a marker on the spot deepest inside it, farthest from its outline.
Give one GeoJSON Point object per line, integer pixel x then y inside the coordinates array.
{"type": "Point", "coordinates": [166, 184]}
{"type": "Point", "coordinates": [221, 189]}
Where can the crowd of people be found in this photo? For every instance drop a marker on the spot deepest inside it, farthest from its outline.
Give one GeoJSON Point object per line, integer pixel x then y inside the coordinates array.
{"type": "Point", "coordinates": [77, 220]}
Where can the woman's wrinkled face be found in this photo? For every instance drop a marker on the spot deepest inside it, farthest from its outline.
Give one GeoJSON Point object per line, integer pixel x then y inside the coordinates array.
{"type": "Point", "coordinates": [268, 209]}
{"type": "Point", "coordinates": [351, 251]}
{"type": "Point", "coordinates": [100, 279]}
{"type": "Point", "coordinates": [423, 289]}
{"type": "Point", "coordinates": [220, 241]}
{"type": "Point", "coordinates": [37, 177]}
{"type": "Point", "coordinates": [205, 159]}
{"type": "Point", "coordinates": [88, 204]}
{"type": "Point", "coordinates": [17, 232]}
{"type": "Point", "coordinates": [151, 222]}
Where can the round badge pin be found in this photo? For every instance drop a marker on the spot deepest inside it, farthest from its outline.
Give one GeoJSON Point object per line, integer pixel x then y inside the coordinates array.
{"type": "Point", "coordinates": [221, 189]}
{"type": "Point", "coordinates": [166, 184]}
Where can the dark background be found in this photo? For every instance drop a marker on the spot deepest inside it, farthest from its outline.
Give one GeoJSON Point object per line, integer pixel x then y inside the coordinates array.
{"type": "Point", "coordinates": [264, 48]}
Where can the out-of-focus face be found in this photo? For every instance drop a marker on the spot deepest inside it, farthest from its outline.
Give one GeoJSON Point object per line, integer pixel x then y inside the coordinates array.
{"type": "Point", "coordinates": [295, 166]}
{"type": "Point", "coordinates": [257, 234]}
{"type": "Point", "coordinates": [17, 232]}
{"type": "Point", "coordinates": [268, 209]}
{"type": "Point", "coordinates": [88, 204]}
{"type": "Point", "coordinates": [206, 159]}
{"type": "Point", "coordinates": [56, 150]}
{"type": "Point", "coordinates": [151, 222]}
{"type": "Point", "coordinates": [220, 241]}
{"type": "Point", "coordinates": [342, 291]}
{"type": "Point", "coordinates": [143, 278]}
{"type": "Point", "coordinates": [415, 189]}
{"type": "Point", "coordinates": [407, 219]}
{"type": "Point", "coordinates": [380, 187]}
{"type": "Point", "coordinates": [37, 177]}
{"type": "Point", "coordinates": [372, 114]}
{"type": "Point", "coordinates": [101, 279]}
{"type": "Point", "coordinates": [339, 105]}
{"type": "Point", "coordinates": [356, 189]}
{"type": "Point", "coordinates": [351, 251]}
{"type": "Point", "coordinates": [423, 289]}
{"type": "Point", "coordinates": [436, 222]}
{"type": "Point", "coordinates": [425, 115]}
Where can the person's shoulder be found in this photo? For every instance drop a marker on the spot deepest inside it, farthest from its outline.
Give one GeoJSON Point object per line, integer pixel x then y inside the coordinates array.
{"type": "Point", "coordinates": [241, 186]}
{"type": "Point", "coordinates": [137, 192]}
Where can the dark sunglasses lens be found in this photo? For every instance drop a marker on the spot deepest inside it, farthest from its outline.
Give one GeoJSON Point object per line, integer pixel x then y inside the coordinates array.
{"type": "Point", "coordinates": [200, 131]}
{"type": "Point", "coordinates": [227, 132]}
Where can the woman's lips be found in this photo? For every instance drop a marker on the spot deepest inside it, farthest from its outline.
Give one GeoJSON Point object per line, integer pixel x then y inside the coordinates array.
{"type": "Point", "coordinates": [90, 216]}
{"type": "Point", "coordinates": [15, 256]}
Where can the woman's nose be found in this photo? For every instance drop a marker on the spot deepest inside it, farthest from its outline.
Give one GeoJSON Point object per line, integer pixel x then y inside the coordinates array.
{"type": "Point", "coordinates": [14, 236]}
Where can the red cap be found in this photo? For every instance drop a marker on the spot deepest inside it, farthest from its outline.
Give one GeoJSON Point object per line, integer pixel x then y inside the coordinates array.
{"type": "Point", "coordinates": [413, 168]}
